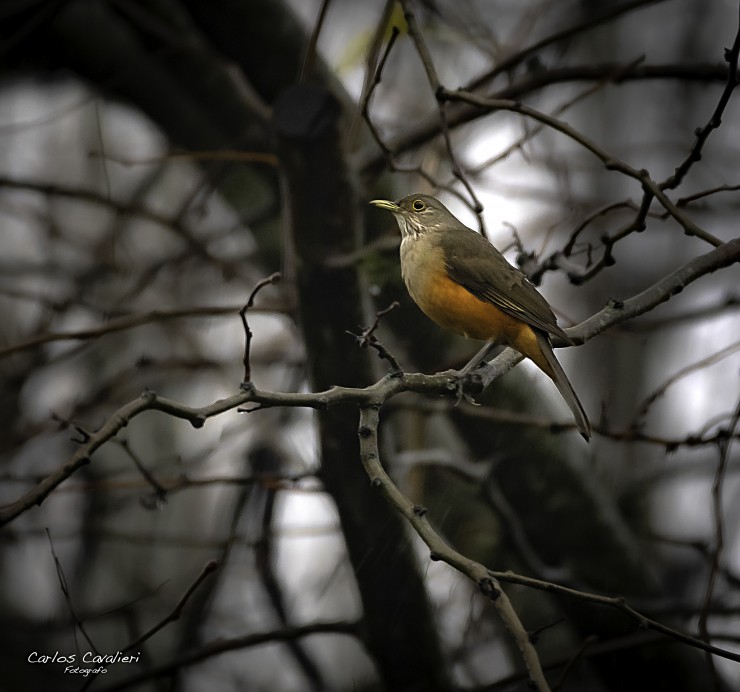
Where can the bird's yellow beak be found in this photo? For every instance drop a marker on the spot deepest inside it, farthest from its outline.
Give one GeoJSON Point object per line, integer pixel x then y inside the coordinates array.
{"type": "Point", "coordinates": [385, 204]}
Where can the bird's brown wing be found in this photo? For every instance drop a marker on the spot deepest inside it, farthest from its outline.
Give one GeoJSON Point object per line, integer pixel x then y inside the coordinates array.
{"type": "Point", "coordinates": [475, 264]}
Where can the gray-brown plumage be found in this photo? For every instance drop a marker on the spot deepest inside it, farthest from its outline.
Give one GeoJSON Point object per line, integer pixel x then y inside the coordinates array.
{"type": "Point", "coordinates": [466, 285]}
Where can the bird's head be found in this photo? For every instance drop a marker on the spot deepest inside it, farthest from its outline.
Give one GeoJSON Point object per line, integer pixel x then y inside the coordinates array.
{"type": "Point", "coordinates": [417, 214]}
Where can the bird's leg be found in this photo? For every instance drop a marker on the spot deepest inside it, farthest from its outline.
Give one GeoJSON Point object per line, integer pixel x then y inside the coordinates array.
{"type": "Point", "coordinates": [472, 365]}
{"type": "Point", "coordinates": [477, 359]}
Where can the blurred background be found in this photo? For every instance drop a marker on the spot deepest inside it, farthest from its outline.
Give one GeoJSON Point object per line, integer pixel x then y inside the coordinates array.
{"type": "Point", "coordinates": [159, 158]}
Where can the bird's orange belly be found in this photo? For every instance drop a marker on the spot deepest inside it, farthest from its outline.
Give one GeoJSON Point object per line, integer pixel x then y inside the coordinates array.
{"type": "Point", "coordinates": [453, 307]}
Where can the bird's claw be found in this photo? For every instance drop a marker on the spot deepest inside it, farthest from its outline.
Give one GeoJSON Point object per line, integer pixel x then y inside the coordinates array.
{"type": "Point", "coordinates": [462, 379]}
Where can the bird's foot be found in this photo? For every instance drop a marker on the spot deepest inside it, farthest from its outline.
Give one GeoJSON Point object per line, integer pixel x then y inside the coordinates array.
{"type": "Point", "coordinates": [464, 378]}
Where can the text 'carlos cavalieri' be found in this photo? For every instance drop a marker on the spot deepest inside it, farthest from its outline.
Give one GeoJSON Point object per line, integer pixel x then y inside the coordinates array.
{"type": "Point", "coordinates": [89, 657]}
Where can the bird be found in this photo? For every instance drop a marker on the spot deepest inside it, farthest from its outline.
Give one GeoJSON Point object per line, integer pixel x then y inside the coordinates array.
{"type": "Point", "coordinates": [465, 285]}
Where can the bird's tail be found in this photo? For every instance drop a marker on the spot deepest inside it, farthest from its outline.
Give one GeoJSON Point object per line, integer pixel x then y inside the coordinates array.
{"type": "Point", "coordinates": [564, 386]}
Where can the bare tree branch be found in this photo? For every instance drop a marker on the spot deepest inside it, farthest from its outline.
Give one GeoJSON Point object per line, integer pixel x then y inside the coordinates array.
{"type": "Point", "coordinates": [443, 383]}
{"type": "Point", "coordinates": [223, 645]}
{"type": "Point", "coordinates": [439, 550]}
{"type": "Point", "coordinates": [702, 134]}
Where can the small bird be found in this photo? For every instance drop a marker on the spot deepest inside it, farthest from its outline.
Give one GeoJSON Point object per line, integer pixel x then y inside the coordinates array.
{"type": "Point", "coordinates": [466, 285]}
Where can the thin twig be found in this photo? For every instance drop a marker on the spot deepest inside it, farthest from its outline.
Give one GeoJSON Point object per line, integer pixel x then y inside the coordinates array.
{"type": "Point", "coordinates": [67, 596]}
{"type": "Point", "coordinates": [702, 134]}
{"type": "Point", "coordinates": [651, 189]}
{"type": "Point", "coordinates": [368, 338]}
{"type": "Point", "coordinates": [426, 58]}
{"type": "Point", "coordinates": [616, 603]}
{"type": "Point", "coordinates": [719, 535]}
{"type": "Point", "coordinates": [554, 427]}
{"type": "Point", "coordinates": [659, 391]}
{"type": "Point", "coordinates": [585, 645]}
{"type": "Point", "coordinates": [365, 101]}
{"type": "Point", "coordinates": [373, 70]}
{"type": "Point", "coordinates": [684, 201]}
{"type": "Point", "coordinates": [124, 323]}
{"type": "Point", "coordinates": [272, 279]}
{"type": "Point", "coordinates": [610, 12]}
{"type": "Point", "coordinates": [610, 77]}
{"type": "Point", "coordinates": [223, 645]}
{"type": "Point", "coordinates": [121, 208]}
{"type": "Point", "coordinates": [387, 153]}
{"type": "Point", "coordinates": [230, 155]}
{"type": "Point", "coordinates": [311, 50]}
{"type": "Point", "coordinates": [427, 129]}
{"type": "Point", "coordinates": [209, 568]}
{"type": "Point", "coordinates": [159, 491]}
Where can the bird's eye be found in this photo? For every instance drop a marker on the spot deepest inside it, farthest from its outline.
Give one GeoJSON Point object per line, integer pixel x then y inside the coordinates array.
{"type": "Point", "coordinates": [417, 205]}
